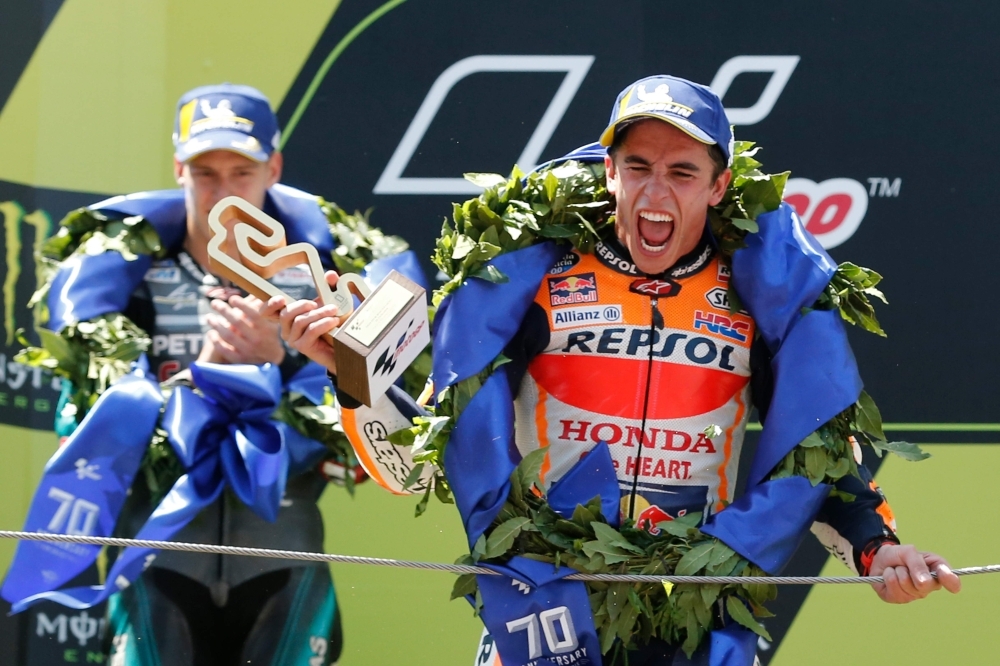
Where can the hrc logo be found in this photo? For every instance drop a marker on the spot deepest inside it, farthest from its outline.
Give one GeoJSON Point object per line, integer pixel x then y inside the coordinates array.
{"type": "Point", "coordinates": [721, 325]}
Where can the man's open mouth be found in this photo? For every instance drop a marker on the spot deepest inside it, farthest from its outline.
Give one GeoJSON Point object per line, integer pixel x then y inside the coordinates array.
{"type": "Point", "coordinates": [655, 230]}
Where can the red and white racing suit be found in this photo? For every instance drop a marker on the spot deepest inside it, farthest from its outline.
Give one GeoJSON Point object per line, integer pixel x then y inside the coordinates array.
{"type": "Point", "coordinates": [658, 368]}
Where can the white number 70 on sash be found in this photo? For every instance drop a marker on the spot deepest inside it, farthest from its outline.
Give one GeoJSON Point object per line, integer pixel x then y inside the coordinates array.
{"type": "Point", "coordinates": [548, 620]}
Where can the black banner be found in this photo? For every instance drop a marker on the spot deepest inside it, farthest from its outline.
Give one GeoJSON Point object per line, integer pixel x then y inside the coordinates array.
{"type": "Point", "coordinates": [887, 136]}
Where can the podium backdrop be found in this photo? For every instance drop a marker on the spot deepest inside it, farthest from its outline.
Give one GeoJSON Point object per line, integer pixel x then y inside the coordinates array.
{"type": "Point", "coordinates": [883, 114]}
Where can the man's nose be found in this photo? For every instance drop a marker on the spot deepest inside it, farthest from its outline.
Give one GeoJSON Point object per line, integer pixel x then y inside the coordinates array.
{"type": "Point", "coordinates": [225, 189]}
{"type": "Point", "coordinates": [658, 188]}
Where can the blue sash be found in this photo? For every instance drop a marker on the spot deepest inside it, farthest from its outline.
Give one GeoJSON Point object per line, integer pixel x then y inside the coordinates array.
{"type": "Point", "coordinates": [223, 437]}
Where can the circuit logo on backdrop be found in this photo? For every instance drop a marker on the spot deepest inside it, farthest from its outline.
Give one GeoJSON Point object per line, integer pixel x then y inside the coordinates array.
{"type": "Point", "coordinates": [832, 210]}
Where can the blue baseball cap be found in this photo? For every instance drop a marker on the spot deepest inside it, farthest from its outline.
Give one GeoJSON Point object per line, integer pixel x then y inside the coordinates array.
{"type": "Point", "coordinates": [690, 107]}
{"type": "Point", "coordinates": [225, 117]}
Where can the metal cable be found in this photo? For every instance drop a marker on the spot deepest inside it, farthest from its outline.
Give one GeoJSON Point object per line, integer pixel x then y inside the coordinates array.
{"type": "Point", "coordinates": [451, 568]}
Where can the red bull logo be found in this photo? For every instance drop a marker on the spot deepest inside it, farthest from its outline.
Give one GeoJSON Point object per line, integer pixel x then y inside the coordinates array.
{"type": "Point", "coordinates": [679, 500]}
{"type": "Point", "coordinates": [573, 289]}
{"type": "Point", "coordinates": [652, 515]}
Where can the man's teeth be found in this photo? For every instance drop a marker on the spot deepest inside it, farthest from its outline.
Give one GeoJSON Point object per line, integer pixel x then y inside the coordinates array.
{"type": "Point", "coordinates": [651, 248]}
{"type": "Point", "coordinates": [654, 217]}
{"type": "Point", "coordinates": [657, 217]}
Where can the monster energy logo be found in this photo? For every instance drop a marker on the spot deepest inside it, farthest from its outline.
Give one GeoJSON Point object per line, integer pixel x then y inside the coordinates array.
{"type": "Point", "coordinates": [14, 218]}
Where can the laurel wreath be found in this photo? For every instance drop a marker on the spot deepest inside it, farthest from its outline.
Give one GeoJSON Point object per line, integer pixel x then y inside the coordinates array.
{"type": "Point", "coordinates": [91, 355]}
{"type": "Point", "coordinates": [569, 204]}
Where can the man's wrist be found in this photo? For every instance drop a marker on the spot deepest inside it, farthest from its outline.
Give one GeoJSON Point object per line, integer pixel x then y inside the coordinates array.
{"type": "Point", "coordinates": [864, 559]}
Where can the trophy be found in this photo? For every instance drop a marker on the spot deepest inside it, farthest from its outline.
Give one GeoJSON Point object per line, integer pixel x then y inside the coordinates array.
{"type": "Point", "coordinates": [380, 338]}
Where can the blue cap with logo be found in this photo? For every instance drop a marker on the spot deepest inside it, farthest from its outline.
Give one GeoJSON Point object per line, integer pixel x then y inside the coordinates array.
{"type": "Point", "coordinates": [225, 117]}
{"type": "Point", "coordinates": [690, 107]}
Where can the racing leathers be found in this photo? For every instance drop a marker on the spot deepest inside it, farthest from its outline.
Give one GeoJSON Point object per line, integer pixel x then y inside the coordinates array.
{"type": "Point", "coordinates": [659, 369]}
{"type": "Point", "coordinates": [223, 608]}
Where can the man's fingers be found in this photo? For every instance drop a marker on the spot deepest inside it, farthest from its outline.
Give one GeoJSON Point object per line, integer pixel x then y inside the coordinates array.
{"type": "Point", "coordinates": [273, 308]}
{"type": "Point", "coordinates": [331, 278]}
{"type": "Point", "coordinates": [253, 302]}
{"type": "Point", "coordinates": [304, 321]}
{"type": "Point", "coordinates": [947, 578]}
{"type": "Point", "coordinates": [920, 575]}
{"type": "Point", "coordinates": [890, 586]}
{"type": "Point", "coordinates": [907, 585]}
{"type": "Point", "coordinates": [249, 306]}
{"type": "Point", "coordinates": [290, 312]}
{"type": "Point", "coordinates": [226, 332]}
{"type": "Point", "coordinates": [318, 329]}
{"type": "Point", "coordinates": [223, 348]}
{"type": "Point", "coordinates": [276, 303]}
{"type": "Point", "coordinates": [233, 315]}
{"type": "Point", "coordinates": [895, 587]}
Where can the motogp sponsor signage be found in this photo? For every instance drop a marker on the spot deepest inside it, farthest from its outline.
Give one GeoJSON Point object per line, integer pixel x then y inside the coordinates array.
{"type": "Point", "coordinates": [832, 210]}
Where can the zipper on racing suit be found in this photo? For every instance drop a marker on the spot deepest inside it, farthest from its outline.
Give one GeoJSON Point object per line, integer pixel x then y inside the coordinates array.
{"type": "Point", "coordinates": [655, 322]}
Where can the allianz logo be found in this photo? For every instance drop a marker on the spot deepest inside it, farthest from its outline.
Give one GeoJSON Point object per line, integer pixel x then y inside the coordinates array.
{"type": "Point", "coordinates": [590, 314]}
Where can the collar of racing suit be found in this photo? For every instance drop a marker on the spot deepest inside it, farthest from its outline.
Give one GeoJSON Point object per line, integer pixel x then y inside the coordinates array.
{"type": "Point", "coordinates": [616, 256]}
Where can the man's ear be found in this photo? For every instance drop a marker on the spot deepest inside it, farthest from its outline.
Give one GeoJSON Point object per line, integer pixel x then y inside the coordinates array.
{"type": "Point", "coordinates": [609, 170]}
{"type": "Point", "coordinates": [179, 171]}
{"type": "Point", "coordinates": [274, 167]}
{"type": "Point", "coordinates": [718, 188]}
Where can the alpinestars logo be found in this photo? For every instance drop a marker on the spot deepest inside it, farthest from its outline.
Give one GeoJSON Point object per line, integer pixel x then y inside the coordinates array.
{"type": "Point", "coordinates": [651, 287]}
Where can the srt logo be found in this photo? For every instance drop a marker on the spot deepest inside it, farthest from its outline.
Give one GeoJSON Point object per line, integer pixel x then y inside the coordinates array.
{"type": "Point", "coordinates": [831, 210]}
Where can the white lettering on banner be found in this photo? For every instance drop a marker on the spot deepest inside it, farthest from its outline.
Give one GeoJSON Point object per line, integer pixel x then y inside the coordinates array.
{"type": "Point", "coordinates": [548, 619]}
{"type": "Point", "coordinates": [15, 374]}
{"type": "Point", "coordinates": [831, 210]}
{"type": "Point", "coordinates": [85, 470]}
{"type": "Point", "coordinates": [56, 626]}
{"type": "Point", "coordinates": [83, 627]}
{"type": "Point", "coordinates": [780, 67]}
{"type": "Point", "coordinates": [883, 187]}
{"type": "Point", "coordinates": [78, 515]}
{"type": "Point", "coordinates": [576, 67]}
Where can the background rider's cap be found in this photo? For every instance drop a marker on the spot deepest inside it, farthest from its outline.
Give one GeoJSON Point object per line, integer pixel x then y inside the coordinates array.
{"type": "Point", "coordinates": [225, 117]}
{"type": "Point", "coordinates": [690, 107]}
